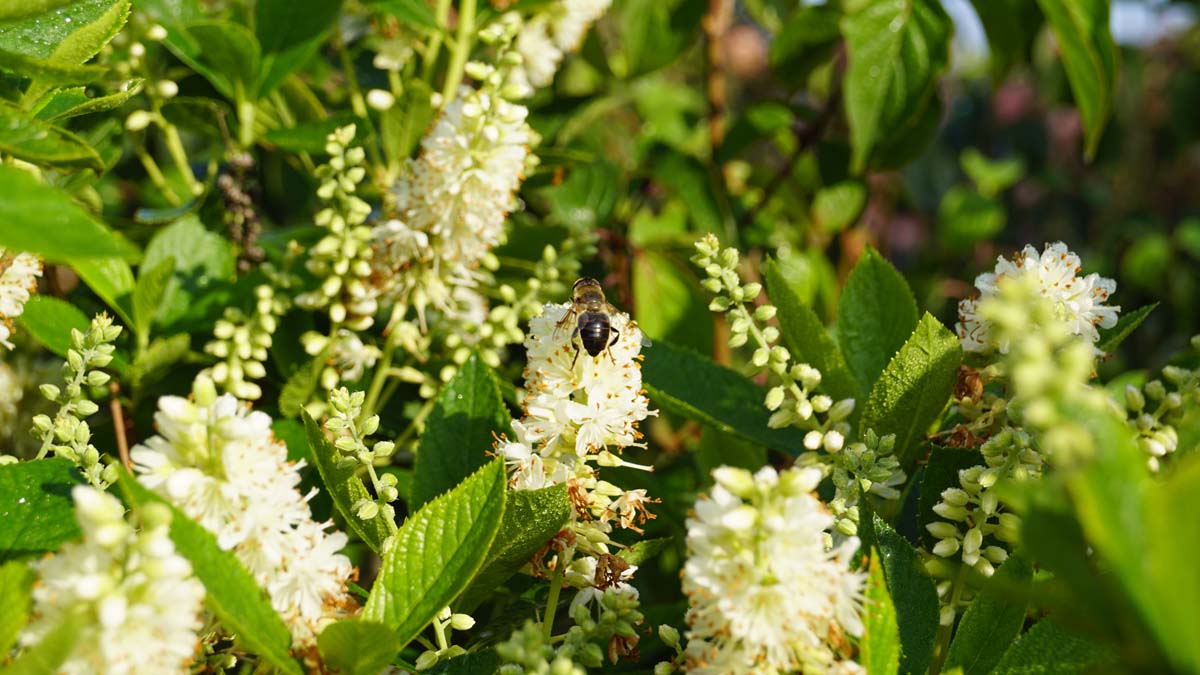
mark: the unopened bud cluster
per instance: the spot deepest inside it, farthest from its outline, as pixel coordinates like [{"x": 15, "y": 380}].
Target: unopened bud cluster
[
  {"x": 976, "y": 524},
  {"x": 354, "y": 449},
  {"x": 68, "y": 434},
  {"x": 866, "y": 467},
  {"x": 444, "y": 624},
  {"x": 1154, "y": 409},
  {"x": 342, "y": 258},
  {"x": 794, "y": 400},
  {"x": 242, "y": 341}
]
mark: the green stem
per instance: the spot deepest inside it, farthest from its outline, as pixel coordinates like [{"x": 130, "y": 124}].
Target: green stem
[
  {"x": 245, "y": 113},
  {"x": 942, "y": 644},
  {"x": 391, "y": 522},
  {"x": 462, "y": 50},
  {"x": 381, "y": 375},
  {"x": 552, "y": 599},
  {"x": 435, "y": 43},
  {"x": 156, "y": 177}
]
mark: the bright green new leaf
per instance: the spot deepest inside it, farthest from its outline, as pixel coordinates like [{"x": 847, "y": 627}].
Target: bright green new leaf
[
  {"x": 41, "y": 143},
  {"x": 875, "y": 315},
  {"x": 39, "y": 33},
  {"x": 437, "y": 552},
  {"x": 460, "y": 432},
  {"x": 344, "y": 487},
  {"x": 688, "y": 384},
  {"x": 911, "y": 394},
  {"x": 148, "y": 294},
  {"x": 806, "y": 337},
  {"x": 838, "y": 206},
  {"x": 19, "y": 9},
  {"x": 230, "y": 591},
  {"x": 51, "y": 72},
  {"x": 991, "y": 176},
  {"x": 45, "y": 657},
  {"x": 1089, "y": 56},
  {"x": 356, "y": 647},
  {"x": 993, "y": 620},
  {"x": 667, "y": 302},
  {"x": 75, "y": 102},
  {"x": 16, "y": 580},
  {"x": 300, "y": 387},
  {"x": 40, "y": 219},
  {"x": 531, "y": 518},
  {"x": 880, "y": 646},
  {"x": 897, "y": 50}
]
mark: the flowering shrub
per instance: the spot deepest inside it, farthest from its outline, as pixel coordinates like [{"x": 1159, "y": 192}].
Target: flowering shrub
[{"x": 554, "y": 337}]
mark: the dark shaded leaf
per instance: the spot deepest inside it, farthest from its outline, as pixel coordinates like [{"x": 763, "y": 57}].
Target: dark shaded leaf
[{"x": 36, "y": 511}]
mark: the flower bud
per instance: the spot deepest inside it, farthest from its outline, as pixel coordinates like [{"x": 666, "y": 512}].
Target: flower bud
[
  {"x": 1134, "y": 398},
  {"x": 765, "y": 312},
  {"x": 461, "y": 622},
  {"x": 774, "y": 398}
]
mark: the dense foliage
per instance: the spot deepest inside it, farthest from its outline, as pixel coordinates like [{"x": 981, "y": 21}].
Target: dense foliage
[{"x": 555, "y": 337}]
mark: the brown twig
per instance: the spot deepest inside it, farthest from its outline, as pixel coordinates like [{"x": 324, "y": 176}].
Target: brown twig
[
  {"x": 118, "y": 416},
  {"x": 716, "y": 27}
]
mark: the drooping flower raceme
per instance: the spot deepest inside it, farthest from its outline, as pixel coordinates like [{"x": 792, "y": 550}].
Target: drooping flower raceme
[
  {"x": 218, "y": 462},
  {"x": 765, "y": 595},
  {"x": 139, "y": 602},
  {"x": 18, "y": 278},
  {"x": 1055, "y": 272},
  {"x": 546, "y": 38}
]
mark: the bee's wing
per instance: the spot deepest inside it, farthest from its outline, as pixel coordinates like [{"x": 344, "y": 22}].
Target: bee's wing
[
  {"x": 646, "y": 341},
  {"x": 565, "y": 321}
]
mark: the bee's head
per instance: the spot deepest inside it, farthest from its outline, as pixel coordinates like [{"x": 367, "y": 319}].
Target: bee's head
[{"x": 585, "y": 287}]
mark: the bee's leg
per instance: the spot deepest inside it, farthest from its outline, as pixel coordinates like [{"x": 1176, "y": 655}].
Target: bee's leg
[
  {"x": 616, "y": 336},
  {"x": 576, "y": 346}
]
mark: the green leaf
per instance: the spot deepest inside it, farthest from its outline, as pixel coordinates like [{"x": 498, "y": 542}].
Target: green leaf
[
  {"x": 16, "y": 581},
  {"x": 148, "y": 295},
  {"x": 82, "y": 44},
  {"x": 290, "y": 32},
  {"x": 40, "y": 36},
  {"x": 805, "y": 336},
  {"x": 402, "y": 125},
  {"x": 49, "y": 71},
  {"x": 805, "y": 41},
  {"x": 224, "y": 53},
  {"x": 19, "y": 9},
  {"x": 473, "y": 663},
  {"x": 300, "y": 387},
  {"x": 42, "y": 143},
  {"x": 467, "y": 418},
  {"x": 230, "y": 591},
  {"x": 1172, "y": 511},
  {"x": 838, "y": 206},
  {"x": 993, "y": 620},
  {"x": 941, "y": 472},
  {"x": 875, "y": 315},
  {"x": 154, "y": 362},
  {"x": 688, "y": 384},
  {"x": 1011, "y": 27},
  {"x": 50, "y": 320},
  {"x": 307, "y": 136},
  {"x": 40, "y": 219},
  {"x": 717, "y": 448},
  {"x": 531, "y": 518},
  {"x": 203, "y": 259},
  {"x": 36, "y": 511},
  {"x": 1111, "y": 338},
  {"x": 415, "y": 13},
  {"x": 436, "y": 553},
  {"x": 913, "y": 596},
  {"x": 667, "y": 302},
  {"x": 344, "y": 487},
  {"x": 991, "y": 176},
  {"x": 112, "y": 280},
  {"x": 75, "y": 102},
  {"x": 1050, "y": 648},
  {"x": 644, "y": 550},
  {"x": 911, "y": 394},
  {"x": 880, "y": 646},
  {"x": 45, "y": 657},
  {"x": 966, "y": 218},
  {"x": 1089, "y": 56},
  {"x": 897, "y": 50},
  {"x": 356, "y": 647}
]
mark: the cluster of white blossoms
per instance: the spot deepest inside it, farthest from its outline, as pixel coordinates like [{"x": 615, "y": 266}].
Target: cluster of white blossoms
[
  {"x": 555, "y": 31},
  {"x": 453, "y": 200},
  {"x": 137, "y": 596},
  {"x": 218, "y": 462},
  {"x": 577, "y": 407},
  {"x": 1080, "y": 300},
  {"x": 765, "y": 594},
  {"x": 19, "y": 273}
]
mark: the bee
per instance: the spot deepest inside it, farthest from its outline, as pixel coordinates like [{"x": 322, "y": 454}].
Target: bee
[{"x": 592, "y": 315}]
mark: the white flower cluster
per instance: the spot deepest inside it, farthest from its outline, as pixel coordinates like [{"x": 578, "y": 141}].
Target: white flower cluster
[
  {"x": 218, "y": 462},
  {"x": 139, "y": 600},
  {"x": 765, "y": 595},
  {"x": 554, "y": 32},
  {"x": 1080, "y": 300},
  {"x": 452, "y": 203},
  {"x": 577, "y": 407},
  {"x": 18, "y": 278}
]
